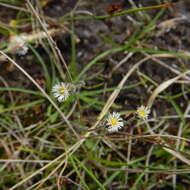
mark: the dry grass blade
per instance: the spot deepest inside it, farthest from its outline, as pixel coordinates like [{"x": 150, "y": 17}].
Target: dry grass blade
[
  {"x": 178, "y": 155},
  {"x": 52, "y": 43},
  {"x": 116, "y": 92},
  {"x": 175, "y": 153},
  {"x": 163, "y": 86},
  {"x": 67, "y": 153}
]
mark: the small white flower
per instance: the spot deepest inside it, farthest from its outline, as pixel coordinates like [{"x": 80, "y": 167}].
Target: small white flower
[
  {"x": 114, "y": 122},
  {"x": 61, "y": 91},
  {"x": 143, "y": 112},
  {"x": 18, "y": 44}
]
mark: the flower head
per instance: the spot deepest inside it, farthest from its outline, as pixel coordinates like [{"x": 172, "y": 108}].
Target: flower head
[
  {"x": 143, "y": 112},
  {"x": 114, "y": 122},
  {"x": 61, "y": 91},
  {"x": 18, "y": 44}
]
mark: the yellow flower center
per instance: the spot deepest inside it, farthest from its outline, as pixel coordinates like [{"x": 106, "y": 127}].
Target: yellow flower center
[
  {"x": 142, "y": 112},
  {"x": 62, "y": 90},
  {"x": 113, "y": 121}
]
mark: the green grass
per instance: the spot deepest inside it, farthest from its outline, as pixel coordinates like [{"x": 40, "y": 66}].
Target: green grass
[{"x": 32, "y": 129}]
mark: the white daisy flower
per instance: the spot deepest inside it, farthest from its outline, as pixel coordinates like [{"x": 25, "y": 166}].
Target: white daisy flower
[
  {"x": 114, "y": 122},
  {"x": 61, "y": 91},
  {"x": 143, "y": 112},
  {"x": 18, "y": 44}
]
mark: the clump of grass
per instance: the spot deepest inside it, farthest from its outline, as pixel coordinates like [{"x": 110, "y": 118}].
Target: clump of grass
[{"x": 50, "y": 144}]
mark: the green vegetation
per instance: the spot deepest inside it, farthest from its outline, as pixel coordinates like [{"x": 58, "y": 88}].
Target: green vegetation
[{"x": 52, "y": 144}]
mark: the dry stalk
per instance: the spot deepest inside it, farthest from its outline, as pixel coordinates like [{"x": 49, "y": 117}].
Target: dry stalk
[{"x": 32, "y": 37}]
